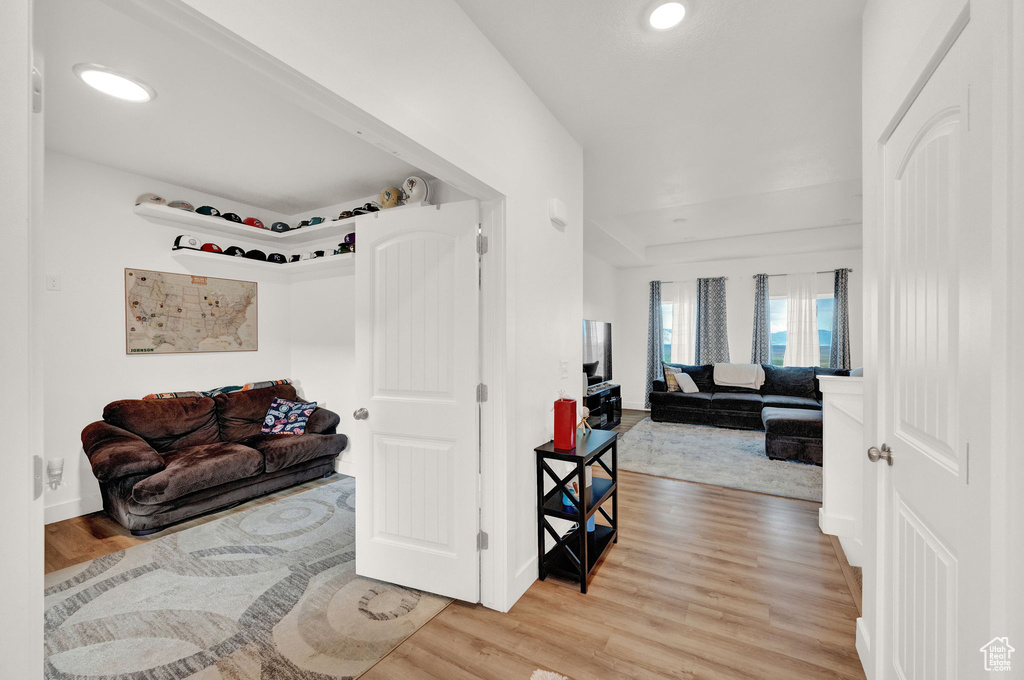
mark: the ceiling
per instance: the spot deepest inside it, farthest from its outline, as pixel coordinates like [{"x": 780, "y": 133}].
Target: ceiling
[
  {"x": 215, "y": 126},
  {"x": 743, "y": 120}
]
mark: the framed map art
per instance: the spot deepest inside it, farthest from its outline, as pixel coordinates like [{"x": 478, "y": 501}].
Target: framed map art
[{"x": 181, "y": 313}]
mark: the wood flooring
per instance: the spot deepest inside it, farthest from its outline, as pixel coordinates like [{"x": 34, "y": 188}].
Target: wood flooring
[{"x": 706, "y": 583}]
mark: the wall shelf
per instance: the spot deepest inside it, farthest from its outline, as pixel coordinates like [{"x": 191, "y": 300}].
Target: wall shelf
[
  {"x": 330, "y": 263},
  {"x": 174, "y": 217}
]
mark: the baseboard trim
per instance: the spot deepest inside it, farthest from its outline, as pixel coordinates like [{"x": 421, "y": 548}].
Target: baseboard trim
[
  {"x": 867, "y": 660},
  {"x": 635, "y": 405},
  {"x": 72, "y": 508}
]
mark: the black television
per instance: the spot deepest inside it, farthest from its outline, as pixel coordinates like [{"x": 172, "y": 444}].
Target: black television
[{"x": 597, "y": 351}]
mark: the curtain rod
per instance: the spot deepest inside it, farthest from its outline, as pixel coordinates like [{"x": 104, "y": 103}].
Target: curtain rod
[
  {"x": 827, "y": 271},
  {"x": 724, "y": 278}
]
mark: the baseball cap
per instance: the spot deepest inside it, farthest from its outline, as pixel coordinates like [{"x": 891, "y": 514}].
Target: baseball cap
[
  {"x": 253, "y": 222},
  {"x": 277, "y": 258},
  {"x": 208, "y": 210},
  {"x": 149, "y": 198},
  {"x": 315, "y": 220},
  {"x": 256, "y": 255},
  {"x": 234, "y": 251},
  {"x": 187, "y": 241},
  {"x": 181, "y": 205},
  {"x": 212, "y": 248},
  {"x": 279, "y": 226},
  {"x": 232, "y": 217}
]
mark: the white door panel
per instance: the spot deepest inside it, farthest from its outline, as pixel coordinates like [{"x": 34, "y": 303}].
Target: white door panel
[
  {"x": 919, "y": 524},
  {"x": 417, "y": 329}
]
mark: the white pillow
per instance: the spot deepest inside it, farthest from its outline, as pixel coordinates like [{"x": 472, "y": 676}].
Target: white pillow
[{"x": 686, "y": 383}]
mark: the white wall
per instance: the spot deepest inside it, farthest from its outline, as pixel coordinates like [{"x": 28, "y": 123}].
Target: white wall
[
  {"x": 448, "y": 88},
  {"x": 630, "y": 334},
  {"x": 88, "y": 235}
]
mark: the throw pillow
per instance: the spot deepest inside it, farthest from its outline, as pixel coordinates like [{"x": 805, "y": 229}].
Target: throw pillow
[
  {"x": 686, "y": 383},
  {"x": 174, "y": 395},
  {"x": 671, "y": 375},
  {"x": 287, "y": 417}
]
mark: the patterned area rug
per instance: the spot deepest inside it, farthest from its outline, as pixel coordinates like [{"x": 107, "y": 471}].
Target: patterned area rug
[
  {"x": 714, "y": 455},
  {"x": 266, "y": 594}
]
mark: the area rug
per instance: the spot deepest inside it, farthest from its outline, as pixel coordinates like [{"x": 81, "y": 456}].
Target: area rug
[
  {"x": 713, "y": 455},
  {"x": 266, "y": 594}
]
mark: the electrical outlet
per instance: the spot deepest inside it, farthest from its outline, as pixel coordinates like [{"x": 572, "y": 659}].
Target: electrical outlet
[
  {"x": 53, "y": 282},
  {"x": 564, "y": 365}
]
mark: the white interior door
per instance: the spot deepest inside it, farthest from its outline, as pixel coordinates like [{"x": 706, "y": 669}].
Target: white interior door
[
  {"x": 417, "y": 450},
  {"x": 924, "y": 381}
]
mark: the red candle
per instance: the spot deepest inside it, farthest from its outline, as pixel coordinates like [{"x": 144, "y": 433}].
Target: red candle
[{"x": 565, "y": 424}]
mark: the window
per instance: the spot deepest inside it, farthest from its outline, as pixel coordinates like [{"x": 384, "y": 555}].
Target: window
[
  {"x": 778, "y": 308},
  {"x": 666, "y": 332}
]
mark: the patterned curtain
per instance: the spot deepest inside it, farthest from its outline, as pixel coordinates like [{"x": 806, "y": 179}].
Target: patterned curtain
[
  {"x": 712, "y": 329},
  {"x": 761, "y": 347},
  {"x": 840, "y": 355},
  {"x": 654, "y": 347}
]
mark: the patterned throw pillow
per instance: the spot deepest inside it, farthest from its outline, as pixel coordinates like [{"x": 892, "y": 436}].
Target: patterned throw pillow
[
  {"x": 287, "y": 417},
  {"x": 246, "y": 387},
  {"x": 671, "y": 384}
]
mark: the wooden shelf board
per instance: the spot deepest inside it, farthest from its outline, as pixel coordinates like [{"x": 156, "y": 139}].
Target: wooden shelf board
[
  {"x": 597, "y": 546},
  {"x": 601, "y": 491},
  {"x": 343, "y": 261}
]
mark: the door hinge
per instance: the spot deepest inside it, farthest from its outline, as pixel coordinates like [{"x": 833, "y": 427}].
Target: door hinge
[
  {"x": 481, "y": 393},
  {"x": 481, "y": 244},
  {"x": 482, "y": 540}
]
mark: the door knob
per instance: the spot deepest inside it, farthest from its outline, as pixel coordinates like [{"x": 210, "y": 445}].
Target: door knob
[
  {"x": 885, "y": 453},
  {"x": 363, "y": 414}
]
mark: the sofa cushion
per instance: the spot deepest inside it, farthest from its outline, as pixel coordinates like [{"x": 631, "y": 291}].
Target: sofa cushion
[
  {"x": 704, "y": 376},
  {"x": 283, "y": 452},
  {"x": 735, "y": 401},
  {"x": 789, "y": 381},
  {"x": 194, "y": 468},
  {"x": 844, "y": 372},
  {"x": 781, "y": 401},
  {"x": 241, "y": 414},
  {"x": 167, "y": 424},
  {"x": 697, "y": 400},
  {"x": 792, "y": 422}
]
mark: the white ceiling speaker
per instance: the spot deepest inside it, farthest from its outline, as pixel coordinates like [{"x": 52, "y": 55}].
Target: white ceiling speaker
[
  {"x": 558, "y": 213},
  {"x": 666, "y": 15},
  {"x": 115, "y": 84}
]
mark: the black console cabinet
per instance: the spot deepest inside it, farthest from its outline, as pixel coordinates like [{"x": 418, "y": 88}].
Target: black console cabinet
[{"x": 605, "y": 406}]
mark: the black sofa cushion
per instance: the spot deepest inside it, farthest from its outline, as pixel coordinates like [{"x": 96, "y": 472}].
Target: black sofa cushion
[
  {"x": 732, "y": 401},
  {"x": 792, "y": 422},
  {"x": 697, "y": 400},
  {"x": 791, "y": 381},
  {"x": 781, "y": 401},
  {"x": 703, "y": 376}
]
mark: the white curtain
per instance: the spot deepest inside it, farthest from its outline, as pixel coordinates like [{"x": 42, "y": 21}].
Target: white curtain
[
  {"x": 802, "y": 322},
  {"x": 683, "y": 297}
]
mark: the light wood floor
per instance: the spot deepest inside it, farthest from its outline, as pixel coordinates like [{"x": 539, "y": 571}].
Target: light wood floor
[{"x": 705, "y": 583}]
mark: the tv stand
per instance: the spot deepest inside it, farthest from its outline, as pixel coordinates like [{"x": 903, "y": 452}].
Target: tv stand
[{"x": 605, "y": 406}]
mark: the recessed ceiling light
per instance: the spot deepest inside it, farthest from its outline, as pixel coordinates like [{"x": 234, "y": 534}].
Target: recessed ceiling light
[
  {"x": 110, "y": 82},
  {"x": 666, "y": 15}
]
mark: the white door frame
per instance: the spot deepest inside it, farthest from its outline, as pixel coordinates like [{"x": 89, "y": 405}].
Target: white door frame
[
  {"x": 21, "y": 504},
  {"x": 1003, "y": 28},
  {"x": 173, "y": 16}
]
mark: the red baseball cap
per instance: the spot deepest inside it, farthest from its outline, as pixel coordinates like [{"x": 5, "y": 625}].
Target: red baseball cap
[
  {"x": 253, "y": 222},
  {"x": 212, "y": 248}
]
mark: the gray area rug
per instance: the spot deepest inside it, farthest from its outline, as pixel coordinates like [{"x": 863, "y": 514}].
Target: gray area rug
[
  {"x": 713, "y": 455},
  {"x": 266, "y": 594}
]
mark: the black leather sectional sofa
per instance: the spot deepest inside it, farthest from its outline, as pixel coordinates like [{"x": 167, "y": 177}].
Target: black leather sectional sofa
[{"x": 776, "y": 407}]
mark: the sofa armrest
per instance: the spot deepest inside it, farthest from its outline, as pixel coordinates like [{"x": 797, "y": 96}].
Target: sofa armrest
[
  {"x": 658, "y": 386},
  {"x": 323, "y": 421},
  {"x": 115, "y": 453}
]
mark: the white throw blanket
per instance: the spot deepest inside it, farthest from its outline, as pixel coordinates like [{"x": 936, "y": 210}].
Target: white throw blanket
[{"x": 739, "y": 375}]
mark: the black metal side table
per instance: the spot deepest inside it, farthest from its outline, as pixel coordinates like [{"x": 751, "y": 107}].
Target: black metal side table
[{"x": 575, "y": 554}]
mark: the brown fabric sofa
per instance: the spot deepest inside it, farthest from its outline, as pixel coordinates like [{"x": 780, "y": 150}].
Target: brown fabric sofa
[{"x": 162, "y": 461}]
